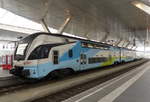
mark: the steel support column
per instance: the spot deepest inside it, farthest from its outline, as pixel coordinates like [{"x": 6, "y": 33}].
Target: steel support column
[
  {"x": 118, "y": 42},
  {"x": 64, "y": 25},
  {"x": 44, "y": 25},
  {"x": 128, "y": 44}
]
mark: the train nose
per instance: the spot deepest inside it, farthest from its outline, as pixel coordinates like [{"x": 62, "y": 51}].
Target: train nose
[
  {"x": 19, "y": 71},
  {"x": 12, "y": 71},
  {"x": 26, "y": 73}
]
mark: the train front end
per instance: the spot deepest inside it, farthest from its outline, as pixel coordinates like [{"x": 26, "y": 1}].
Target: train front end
[{"x": 20, "y": 63}]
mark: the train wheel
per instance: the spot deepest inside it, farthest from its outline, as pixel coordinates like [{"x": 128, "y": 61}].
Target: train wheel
[
  {"x": 55, "y": 74},
  {"x": 123, "y": 61},
  {"x": 61, "y": 73},
  {"x": 116, "y": 63},
  {"x": 67, "y": 71}
]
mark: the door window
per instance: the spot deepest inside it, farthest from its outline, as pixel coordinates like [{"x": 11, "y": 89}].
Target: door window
[
  {"x": 70, "y": 53},
  {"x": 55, "y": 57},
  {"x": 83, "y": 59}
]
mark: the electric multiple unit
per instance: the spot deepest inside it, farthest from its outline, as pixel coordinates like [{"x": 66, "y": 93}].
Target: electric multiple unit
[{"x": 44, "y": 54}]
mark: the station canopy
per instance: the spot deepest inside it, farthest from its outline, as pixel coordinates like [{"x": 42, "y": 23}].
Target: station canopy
[
  {"x": 11, "y": 19},
  {"x": 119, "y": 22}
]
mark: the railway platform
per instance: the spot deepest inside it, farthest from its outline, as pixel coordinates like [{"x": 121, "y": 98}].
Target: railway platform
[
  {"x": 7, "y": 79},
  {"x": 4, "y": 73},
  {"x": 133, "y": 86},
  {"x": 53, "y": 87}
]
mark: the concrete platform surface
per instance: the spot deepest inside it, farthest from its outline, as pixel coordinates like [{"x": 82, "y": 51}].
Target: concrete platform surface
[
  {"x": 4, "y": 73},
  {"x": 133, "y": 86},
  {"x": 30, "y": 94},
  {"x": 7, "y": 79},
  {"x": 139, "y": 91}
]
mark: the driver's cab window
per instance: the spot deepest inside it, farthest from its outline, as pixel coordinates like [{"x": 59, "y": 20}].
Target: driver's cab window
[{"x": 40, "y": 52}]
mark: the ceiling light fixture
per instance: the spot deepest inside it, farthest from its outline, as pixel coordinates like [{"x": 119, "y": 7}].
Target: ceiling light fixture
[{"x": 142, "y": 6}]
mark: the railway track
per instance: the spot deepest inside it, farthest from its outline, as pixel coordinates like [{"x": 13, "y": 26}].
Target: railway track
[
  {"x": 5, "y": 90},
  {"x": 22, "y": 84},
  {"x": 86, "y": 76},
  {"x": 10, "y": 84}
]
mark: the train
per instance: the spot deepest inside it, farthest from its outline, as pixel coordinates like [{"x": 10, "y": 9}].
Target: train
[{"x": 41, "y": 55}]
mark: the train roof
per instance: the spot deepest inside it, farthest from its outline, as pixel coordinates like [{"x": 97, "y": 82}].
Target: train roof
[
  {"x": 66, "y": 36},
  {"x": 76, "y": 38}
]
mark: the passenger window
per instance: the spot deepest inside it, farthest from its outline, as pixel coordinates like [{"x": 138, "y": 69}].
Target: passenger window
[
  {"x": 97, "y": 46},
  {"x": 55, "y": 57},
  {"x": 97, "y": 60},
  {"x": 90, "y": 45},
  {"x": 70, "y": 53},
  {"x": 84, "y": 45}
]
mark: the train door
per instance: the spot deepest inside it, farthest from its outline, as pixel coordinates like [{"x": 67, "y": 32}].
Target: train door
[
  {"x": 83, "y": 61},
  {"x": 55, "y": 57},
  {"x": 109, "y": 55},
  {"x": 42, "y": 59},
  {"x": 120, "y": 54}
]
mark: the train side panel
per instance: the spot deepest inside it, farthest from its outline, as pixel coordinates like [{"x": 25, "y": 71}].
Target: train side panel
[{"x": 80, "y": 58}]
